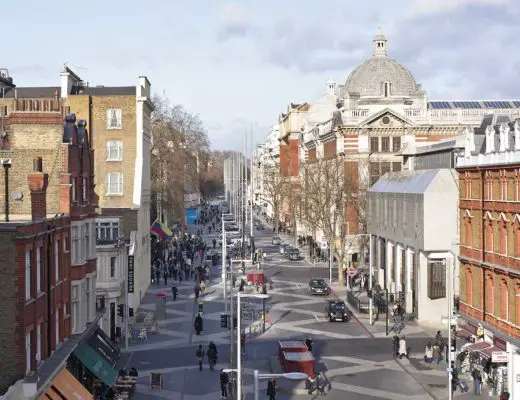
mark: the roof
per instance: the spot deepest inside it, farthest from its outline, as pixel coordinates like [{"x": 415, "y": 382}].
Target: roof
[
  {"x": 405, "y": 181},
  {"x": 105, "y": 90},
  {"x": 472, "y": 105},
  {"x": 51, "y": 91},
  {"x": 33, "y": 92},
  {"x": 442, "y": 146}
]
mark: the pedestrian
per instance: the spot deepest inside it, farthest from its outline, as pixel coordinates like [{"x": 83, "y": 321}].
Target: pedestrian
[
  {"x": 428, "y": 353},
  {"x": 271, "y": 389},
  {"x": 477, "y": 382},
  {"x": 437, "y": 356},
  {"x": 308, "y": 343},
  {"x": 174, "y": 292},
  {"x": 224, "y": 380},
  {"x": 200, "y": 356},
  {"x": 214, "y": 243},
  {"x": 504, "y": 396},
  {"x": 212, "y": 355},
  {"x": 403, "y": 351},
  {"x": 197, "y": 324},
  {"x": 165, "y": 276}
]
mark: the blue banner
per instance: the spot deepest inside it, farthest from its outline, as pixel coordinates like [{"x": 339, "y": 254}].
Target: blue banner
[{"x": 192, "y": 215}]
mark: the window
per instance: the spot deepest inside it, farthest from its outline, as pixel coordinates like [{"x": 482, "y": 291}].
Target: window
[
  {"x": 83, "y": 242},
  {"x": 28, "y": 355},
  {"x": 107, "y": 230},
  {"x": 57, "y": 260},
  {"x": 436, "y": 279},
  {"x": 490, "y": 296},
  {"x": 38, "y": 343},
  {"x": 114, "y": 183},
  {"x": 76, "y": 245},
  {"x": 504, "y": 301},
  {"x": 75, "y": 308},
  {"x": 374, "y": 144},
  {"x": 27, "y": 275},
  {"x": 114, "y": 150},
  {"x": 114, "y": 118},
  {"x": 88, "y": 238},
  {"x": 73, "y": 189},
  {"x": 88, "y": 296},
  {"x": 387, "y": 88},
  {"x": 84, "y": 189},
  {"x": 385, "y": 144},
  {"x": 396, "y": 144},
  {"x": 396, "y": 166},
  {"x": 57, "y": 332},
  {"x": 38, "y": 271},
  {"x": 113, "y": 266}
]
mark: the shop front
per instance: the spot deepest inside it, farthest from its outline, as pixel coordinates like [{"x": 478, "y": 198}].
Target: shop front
[
  {"x": 489, "y": 356},
  {"x": 66, "y": 386}
]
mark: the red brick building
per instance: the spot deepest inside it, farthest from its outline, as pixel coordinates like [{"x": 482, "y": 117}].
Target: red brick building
[
  {"x": 489, "y": 207},
  {"x": 47, "y": 237}
]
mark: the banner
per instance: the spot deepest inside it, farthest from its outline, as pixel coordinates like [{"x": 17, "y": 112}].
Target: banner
[{"x": 131, "y": 271}]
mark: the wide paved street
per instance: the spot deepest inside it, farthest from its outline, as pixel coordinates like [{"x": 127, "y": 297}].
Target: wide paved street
[{"x": 355, "y": 358}]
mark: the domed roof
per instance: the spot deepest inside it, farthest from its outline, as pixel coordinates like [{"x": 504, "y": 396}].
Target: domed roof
[{"x": 369, "y": 78}]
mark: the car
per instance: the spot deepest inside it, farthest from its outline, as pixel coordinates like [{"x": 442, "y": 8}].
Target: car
[
  {"x": 283, "y": 247},
  {"x": 294, "y": 254},
  {"x": 336, "y": 310},
  {"x": 260, "y": 227},
  {"x": 276, "y": 240},
  {"x": 318, "y": 286}
]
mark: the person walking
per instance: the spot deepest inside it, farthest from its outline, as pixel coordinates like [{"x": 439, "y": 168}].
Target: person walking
[
  {"x": 428, "y": 353},
  {"x": 174, "y": 292},
  {"x": 437, "y": 356},
  {"x": 308, "y": 343},
  {"x": 224, "y": 380},
  {"x": 212, "y": 355},
  {"x": 214, "y": 242},
  {"x": 165, "y": 276},
  {"x": 271, "y": 389},
  {"x": 197, "y": 324},
  {"x": 403, "y": 351},
  {"x": 200, "y": 356},
  {"x": 477, "y": 382}
]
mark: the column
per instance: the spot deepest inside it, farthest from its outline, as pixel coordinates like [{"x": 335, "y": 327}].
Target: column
[
  {"x": 388, "y": 269},
  {"x": 408, "y": 286}
]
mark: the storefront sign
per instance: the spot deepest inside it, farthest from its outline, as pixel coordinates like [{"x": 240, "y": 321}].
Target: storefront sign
[
  {"x": 130, "y": 274},
  {"x": 500, "y": 343},
  {"x": 499, "y": 357}
]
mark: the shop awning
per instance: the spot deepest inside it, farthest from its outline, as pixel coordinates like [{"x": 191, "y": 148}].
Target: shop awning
[
  {"x": 479, "y": 346},
  {"x": 463, "y": 334},
  {"x": 99, "y": 356},
  {"x": 488, "y": 351},
  {"x": 65, "y": 386}
]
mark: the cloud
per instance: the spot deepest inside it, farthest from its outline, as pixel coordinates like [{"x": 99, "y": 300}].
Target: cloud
[
  {"x": 233, "y": 22},
  {"x": 429, "y": 7}
]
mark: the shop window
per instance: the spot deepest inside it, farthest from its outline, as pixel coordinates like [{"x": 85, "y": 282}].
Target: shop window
[{"x": 436, "y": 279}]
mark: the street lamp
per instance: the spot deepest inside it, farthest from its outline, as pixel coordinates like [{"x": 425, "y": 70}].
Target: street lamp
[
  {"x": 239, "y": 341},
  {"x": 292, "y": 376}
]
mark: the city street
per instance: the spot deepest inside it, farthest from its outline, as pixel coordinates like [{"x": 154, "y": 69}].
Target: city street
[{"x": 355, "y": 358}]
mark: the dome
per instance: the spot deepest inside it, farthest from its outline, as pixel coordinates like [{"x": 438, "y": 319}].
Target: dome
[{"x": 380, "y": 75}]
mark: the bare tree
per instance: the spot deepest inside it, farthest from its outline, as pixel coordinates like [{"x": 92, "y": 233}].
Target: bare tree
[
  {"x": 330, "y": 202},
  {"x": 273, "y": 189}
]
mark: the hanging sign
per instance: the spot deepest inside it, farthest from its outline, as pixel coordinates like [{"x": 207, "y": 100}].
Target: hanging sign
[{"x": 131, "y": 272}]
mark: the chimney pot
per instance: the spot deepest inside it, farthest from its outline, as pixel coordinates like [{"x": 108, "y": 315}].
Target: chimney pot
[{"x": 37, "y": 164}]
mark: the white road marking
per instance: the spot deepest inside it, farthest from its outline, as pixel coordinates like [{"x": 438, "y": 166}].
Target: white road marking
[
  {"x": 297, "y": 285},
  {"x": 315, "y": 316}
]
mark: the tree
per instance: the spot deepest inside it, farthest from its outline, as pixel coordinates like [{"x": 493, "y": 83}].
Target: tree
[
  {"x": 330, "y": 201},
  {"x": 273, "y": 187}
]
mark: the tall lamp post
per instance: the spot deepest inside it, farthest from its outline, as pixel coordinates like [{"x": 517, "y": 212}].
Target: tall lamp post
[{"x": 241, "y": 295}]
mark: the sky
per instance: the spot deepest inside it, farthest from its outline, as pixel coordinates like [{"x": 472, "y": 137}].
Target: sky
[{"x": 238, "y": 64}]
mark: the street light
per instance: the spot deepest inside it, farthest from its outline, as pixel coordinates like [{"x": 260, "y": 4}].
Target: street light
[
  {"x": 292, "y": 376},
  {"x": 239, "y": 341}
]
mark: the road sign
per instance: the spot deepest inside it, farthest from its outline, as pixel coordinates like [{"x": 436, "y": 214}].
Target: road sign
[{"x": 352, "y": 272}]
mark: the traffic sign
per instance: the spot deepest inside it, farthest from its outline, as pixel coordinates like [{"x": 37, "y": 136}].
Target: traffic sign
[{"x": 352, "y": 272}]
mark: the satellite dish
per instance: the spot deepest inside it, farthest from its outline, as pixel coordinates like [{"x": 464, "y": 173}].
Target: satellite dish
[{"x": 17, "y": 195}]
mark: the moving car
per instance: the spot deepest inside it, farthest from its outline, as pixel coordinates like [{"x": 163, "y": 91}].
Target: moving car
[
  {"x": 318, "y": 286},
  {"x": 260, "y": 227},
  {"x": 283, "y": 248},
  {"x": 276, "y": 240},
  {"x": 294, "y": 254},
  {"x": 336, "y": 310}
]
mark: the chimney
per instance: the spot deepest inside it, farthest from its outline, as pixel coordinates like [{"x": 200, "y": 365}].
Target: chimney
[{"x": 38, "y": 182}]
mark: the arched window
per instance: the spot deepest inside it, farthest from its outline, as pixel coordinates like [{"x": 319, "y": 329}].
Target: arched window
[
  {"x": 469, "y": 286},
  {"x": 489, "y": 235},
  {"x": 517, "y": 305},
  {"x": 490, "y": 295},
  {"x": 504, "y": 300},
  {"x": 387, "y": 89}
]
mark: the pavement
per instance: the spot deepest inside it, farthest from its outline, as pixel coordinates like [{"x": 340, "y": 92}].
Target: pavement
[{"x": 354, "y": 356}]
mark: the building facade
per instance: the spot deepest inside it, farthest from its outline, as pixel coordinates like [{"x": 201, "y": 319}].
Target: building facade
[
  {"x": 489, "y": 216},
  {"x": 119, "y": 119},
  {"x": 368, "y": 120},
  {"x": 407, "y": 211}
]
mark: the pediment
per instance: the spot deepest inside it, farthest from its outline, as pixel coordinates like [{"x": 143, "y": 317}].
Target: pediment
[{"x": 387, "y": 119}]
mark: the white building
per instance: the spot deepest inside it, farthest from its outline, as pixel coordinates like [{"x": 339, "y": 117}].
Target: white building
[{"x": 112, "y": 262}]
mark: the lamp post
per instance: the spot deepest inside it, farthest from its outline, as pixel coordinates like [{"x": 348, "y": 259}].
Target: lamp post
[{"x": 239, "y": 341}]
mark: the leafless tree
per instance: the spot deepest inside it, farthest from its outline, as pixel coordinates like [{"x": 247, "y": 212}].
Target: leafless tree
[{"x": 330, "y": 201}]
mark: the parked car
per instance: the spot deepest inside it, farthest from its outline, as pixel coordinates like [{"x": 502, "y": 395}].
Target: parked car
[
  {"x": 260, "y": 227},
  {"x": 276, "y": 240},
  {"x": 294, "y": 254},
  {"x": 318, "y": 286},
  {"x": 336, "y": 310}
]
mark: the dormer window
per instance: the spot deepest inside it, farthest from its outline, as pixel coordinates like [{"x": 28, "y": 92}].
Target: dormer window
[{"x": 387, "y": 89}]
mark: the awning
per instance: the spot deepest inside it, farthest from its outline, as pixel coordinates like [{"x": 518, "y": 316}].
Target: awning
[
  {"x": 65, "y": 386},
  {"x": 479, "y": 346},
  {"x": 99, "y": 356},
  {"x": 488, "y": 351},
  {"x": 463, "y": 334}
]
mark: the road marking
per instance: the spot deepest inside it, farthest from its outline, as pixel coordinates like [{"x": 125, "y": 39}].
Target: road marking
[
  {"x": 315, "y": 316},
  {"x": 297, "y": 285}
]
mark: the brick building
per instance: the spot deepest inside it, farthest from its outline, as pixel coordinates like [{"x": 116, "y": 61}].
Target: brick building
[{"x": 489, "y": 213}]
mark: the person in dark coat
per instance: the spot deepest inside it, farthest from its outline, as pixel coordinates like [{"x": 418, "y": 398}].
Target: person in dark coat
[
  {"x": 174, "y": 292},
  {"x": 224, "y": 380},
  {"x": 271, "y": 389},
  {"x": 197, "y": 324}
]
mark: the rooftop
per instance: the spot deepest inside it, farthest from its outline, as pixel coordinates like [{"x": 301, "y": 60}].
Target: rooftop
[{"x": 405, "y": 182}]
